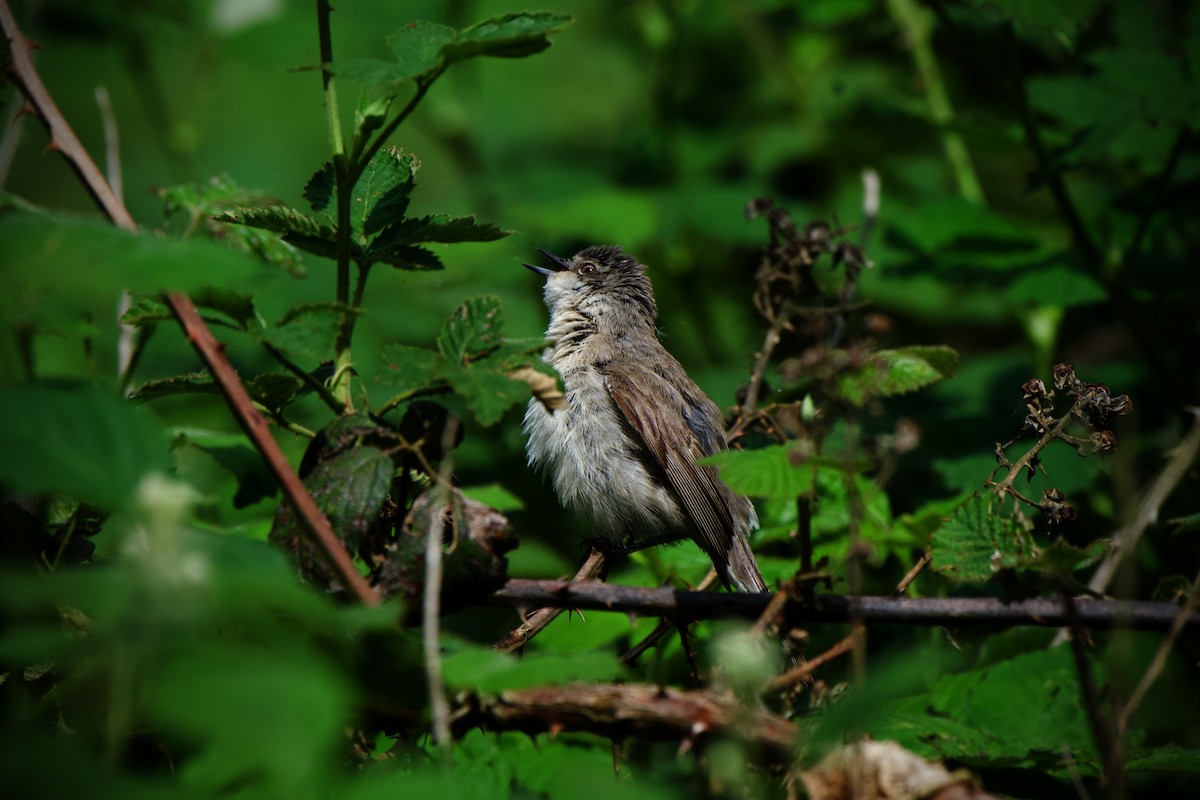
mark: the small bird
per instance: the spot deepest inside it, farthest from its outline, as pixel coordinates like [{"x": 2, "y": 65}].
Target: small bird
[{"x": 623, "y": 451}]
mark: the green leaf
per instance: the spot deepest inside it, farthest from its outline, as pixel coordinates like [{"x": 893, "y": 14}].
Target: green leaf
[
  {"x": 308, "y": 331},
  {"x": 488, "y": 671},
  {"x": 488, "y": 394},
  {"x": 474, "y": 329},
  {"x": 274, "y": 390},
  {"x": 1185, "y": 524},
  {"x": 892, "y": 372},
  {"x": 350, "y": 489},
  {"x": 84, "y": 442},
  {"x": 781, "y": 471},
  {"x": 981, "y": 538},
  {"x": 437, "y": 228},
  {"x": 254, "y": 479},
  {"x": 56, "y": 269},
  {"x": 381, "y": 194},
  {"x": 256, "y": 725},
  {"x": 493, "y": 495},
  {"x": 191, "y": 383},
  {"x": 320, "y": 187},
  {"x": 298, "y": 229},
  {"x": 409, "y": 368},
  {"x": 510, "y": 35},
  {"x": 408, "y": 257},
  {"x": 418, "y": 48}
]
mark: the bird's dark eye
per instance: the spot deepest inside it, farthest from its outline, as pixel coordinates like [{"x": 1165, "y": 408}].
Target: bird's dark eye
[{"x": 587, "y": 269}]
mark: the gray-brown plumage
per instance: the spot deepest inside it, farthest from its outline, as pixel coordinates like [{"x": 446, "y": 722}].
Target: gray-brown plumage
[{"x": 623, "y": 452}]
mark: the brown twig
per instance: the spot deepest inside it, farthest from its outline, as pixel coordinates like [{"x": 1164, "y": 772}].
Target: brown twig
[
  {"x": 927, "y": 611},
  {"x": 1160, "y": 659},
  {"x": 63, "y": 139},
  {"x": 1125, "y": 540},
  {"x": 618, "y": 711},
  {"x": 802, "y": 671},
  {"x": 535, "y": 623},
  {"x": 1107, "y": 745},
  {"x": 664, "y": 626},
  {"x": 907, "y": 580}
]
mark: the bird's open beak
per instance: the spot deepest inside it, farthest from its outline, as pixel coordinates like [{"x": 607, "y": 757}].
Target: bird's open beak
[{"x": 546, "y": 272}]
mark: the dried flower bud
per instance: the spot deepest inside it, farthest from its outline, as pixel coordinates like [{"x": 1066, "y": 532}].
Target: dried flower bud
[
  {"x": 1103, "y": 441},
  {"x": 1064, "y": 376},
  {"x": 1033, "y": 389},
  {"x": 1056, "y": 508}
]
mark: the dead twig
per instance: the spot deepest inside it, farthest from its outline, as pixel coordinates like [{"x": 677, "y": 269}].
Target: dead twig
[
  {"x": 961, "y": 612},
  {"x": 593, "y": 567},
  {"x": 802, "y": 671}
]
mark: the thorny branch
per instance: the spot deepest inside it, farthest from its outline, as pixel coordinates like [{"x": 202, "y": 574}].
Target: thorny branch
[
  {"x": 618, "y": 711},
  {"x": 945, "y": 611}
]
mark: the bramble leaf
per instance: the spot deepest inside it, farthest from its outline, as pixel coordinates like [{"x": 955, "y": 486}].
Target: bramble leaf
[
  {"x": 892, "y": 372},
  {"x": 474, "y": 329},
  {"x": 981, "y": 539}
]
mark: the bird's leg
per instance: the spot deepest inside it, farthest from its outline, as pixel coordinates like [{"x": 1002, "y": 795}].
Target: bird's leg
[{"x": 631, "y": 546}]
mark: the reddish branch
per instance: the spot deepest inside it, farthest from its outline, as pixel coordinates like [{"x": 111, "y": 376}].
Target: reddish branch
[
  {"x": 945, "y": 611},
  {"x": 619, "y": 711},
  {"x": 63, "y": 139}
]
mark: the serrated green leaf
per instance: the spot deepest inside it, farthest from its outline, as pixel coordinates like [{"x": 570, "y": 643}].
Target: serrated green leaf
[
  {"x": 475, "y": 328},
  {"x": 319, "y": 189},
  {"x": 488, "y": 394},
  {"x": 296, "y": 228},
  {"x": 191, "y": 383},
  {"x": 308, "y": 331},
  {"x": 146, "y": 309},
  {"x": 408, "y": 368},
  {"x": 512, "y": 35},
  {"x": 84, "y": 442},
  {"x": 418, "y": 47},
  {"x": 408, "y": 257},
  {"x": 779, "y": 471},
  {"x": 382, "y": 192},
  {"x": 892, "y": 372},
  {"x": 981, "y": 538},
  {"x": 438, "y": 228}
]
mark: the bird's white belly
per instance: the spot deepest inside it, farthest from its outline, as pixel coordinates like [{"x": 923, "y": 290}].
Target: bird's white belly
[{"x": 596, "y": 469}]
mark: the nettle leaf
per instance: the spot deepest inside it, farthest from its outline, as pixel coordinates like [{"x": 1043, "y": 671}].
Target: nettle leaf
[
  {"x": 981, "y": 538},
  {"x": 146, "y": 309},
  {"x": 512, "y": 35},
  {"x": 298, "y": 229},
  {"x": 892, "y": 372},
  {"x": 487, "y": 393},
  {"x": 437, "y": 228},
  {"x": 410, "y": 368},
  {"x": 319, "y": 189},
  {"x": 407, "y": 257},
  {"x": 418, "y": 47},
  {"x": 191, "y": 383},
  {"x": 308, "y": 331},
  {"x": 381, "y": 194},
  {"x": 474, "y": 329},
  {"x": 781, "y": 471}
]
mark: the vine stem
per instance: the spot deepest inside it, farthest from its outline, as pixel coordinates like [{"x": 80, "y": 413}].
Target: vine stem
[
  {"x": 1053, "y": 432},
  {"x": 63, "y": 139}
]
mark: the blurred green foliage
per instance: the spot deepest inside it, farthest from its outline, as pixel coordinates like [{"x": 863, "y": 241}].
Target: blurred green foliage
[{"x": 1038, "y": 171}]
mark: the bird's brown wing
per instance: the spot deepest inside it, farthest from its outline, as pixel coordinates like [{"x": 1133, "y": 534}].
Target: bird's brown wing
[{"x": 675, "y": 446}]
